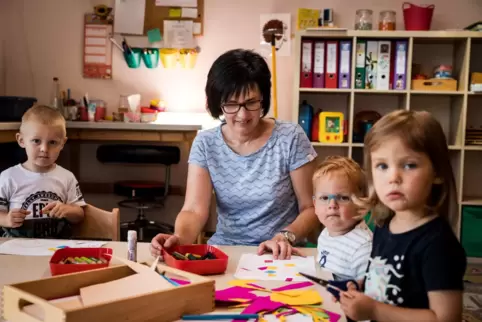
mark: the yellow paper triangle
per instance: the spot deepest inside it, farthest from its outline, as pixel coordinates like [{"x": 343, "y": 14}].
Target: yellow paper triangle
[{"x": 297, "y": 297}]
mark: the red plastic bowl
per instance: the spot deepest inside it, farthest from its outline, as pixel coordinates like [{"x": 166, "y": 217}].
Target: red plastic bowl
[
  {"x": 200, "y": 267},
  {"x": 60, "y": 254}
]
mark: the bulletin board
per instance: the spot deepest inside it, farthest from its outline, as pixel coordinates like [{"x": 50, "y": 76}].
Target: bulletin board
[{"x": 155, "y": 16}]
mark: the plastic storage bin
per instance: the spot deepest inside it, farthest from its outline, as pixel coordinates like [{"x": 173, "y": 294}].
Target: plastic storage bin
[
  {"x": 200, "y": 267},
  {"x": 471, "y": 236}
]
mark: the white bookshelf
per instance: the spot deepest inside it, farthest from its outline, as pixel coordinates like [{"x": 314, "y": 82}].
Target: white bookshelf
[{"x": 455, "y": 110}]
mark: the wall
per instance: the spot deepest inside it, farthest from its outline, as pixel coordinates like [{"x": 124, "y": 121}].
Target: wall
[{"x": 44, "y": 39}]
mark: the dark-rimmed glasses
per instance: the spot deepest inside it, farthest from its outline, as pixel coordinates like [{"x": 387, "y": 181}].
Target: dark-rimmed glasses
[{"x": 233, "y": 108}]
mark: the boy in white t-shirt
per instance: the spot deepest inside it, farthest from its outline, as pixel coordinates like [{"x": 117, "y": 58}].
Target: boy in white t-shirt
[
  {"x": 39, "y": 198},
  {"x": 345, "y": 244}
]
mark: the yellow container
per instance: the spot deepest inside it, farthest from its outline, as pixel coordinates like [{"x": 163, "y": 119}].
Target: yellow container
[
  {"x": 169, "y": 57},
  {"x": 331, "y": 127},
  {"x": 188, "y": 58}
]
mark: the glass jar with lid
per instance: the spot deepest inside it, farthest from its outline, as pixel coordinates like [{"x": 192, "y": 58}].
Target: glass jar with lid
[
  {"x": 387, "y": 20},
  {"x": 364, "y": 19}
]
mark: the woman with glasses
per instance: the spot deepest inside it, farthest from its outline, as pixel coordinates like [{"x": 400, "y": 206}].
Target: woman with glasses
[{"x": 260, "y": 168}]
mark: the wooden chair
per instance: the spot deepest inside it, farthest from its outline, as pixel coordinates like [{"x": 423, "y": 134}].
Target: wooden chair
[{"x": 98, "y": 224}]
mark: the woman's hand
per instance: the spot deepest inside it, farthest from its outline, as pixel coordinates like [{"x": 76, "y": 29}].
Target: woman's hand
[
  {"x": 162, "y": 240},
  {"x": 280, "y": 247}
]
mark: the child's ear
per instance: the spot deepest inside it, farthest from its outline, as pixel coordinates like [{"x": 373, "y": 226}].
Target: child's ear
[
  {"x": 64, "y": 141},
  {"x": 20, "y": 141}
]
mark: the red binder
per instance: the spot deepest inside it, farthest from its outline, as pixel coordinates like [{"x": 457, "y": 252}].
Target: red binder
[
  {"x": 331, "y": 64},
  {"x": 306, "y": 70}
]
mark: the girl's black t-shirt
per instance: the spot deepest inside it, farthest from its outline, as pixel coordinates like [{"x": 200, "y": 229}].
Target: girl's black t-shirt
[{"x": 404, "y": 267}]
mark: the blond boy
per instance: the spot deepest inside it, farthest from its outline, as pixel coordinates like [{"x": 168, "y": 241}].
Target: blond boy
[
  {"x": 39, "y": 198},
  {"x": 345, "y": 243}
]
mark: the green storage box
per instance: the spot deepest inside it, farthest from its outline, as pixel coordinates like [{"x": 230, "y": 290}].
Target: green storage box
[{"x": 471, "y": 230}]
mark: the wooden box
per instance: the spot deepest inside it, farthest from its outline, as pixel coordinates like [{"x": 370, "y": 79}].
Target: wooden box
[
  {"x": 32, "y": 301},
  {"x": 434, "y": 84}
]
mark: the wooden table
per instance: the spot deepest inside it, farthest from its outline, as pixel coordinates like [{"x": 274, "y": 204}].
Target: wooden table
[
  {"x": 170, "y": 127},
  {"x": 15, "y": 269}
]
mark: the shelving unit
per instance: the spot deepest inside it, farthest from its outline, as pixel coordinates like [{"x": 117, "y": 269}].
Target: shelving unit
[{"x": 455, "y": 110}]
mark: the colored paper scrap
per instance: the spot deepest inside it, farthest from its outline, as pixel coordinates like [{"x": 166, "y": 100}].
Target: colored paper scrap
[
  {"x": 297, "y": 297},
  {"x": 236, "y": 292},
  {"x": 154, "y": 35},
  {"x": 293, "y": 286},
  {"x": 175, "y": 12}
]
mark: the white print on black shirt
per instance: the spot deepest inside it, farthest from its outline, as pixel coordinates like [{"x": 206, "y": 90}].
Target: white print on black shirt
[
  {"x": 39, "y": 200},
  {"x": 377, "y": 284}
]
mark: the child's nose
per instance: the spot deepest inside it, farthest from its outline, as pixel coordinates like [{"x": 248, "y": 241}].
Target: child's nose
[
  {"x": 43, "y": 147},
  {"x": 394, "y": 176},
  {"x": 332, "y": 204}
]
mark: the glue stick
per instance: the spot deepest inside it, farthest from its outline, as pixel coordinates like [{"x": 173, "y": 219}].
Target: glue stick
[{"x": 132, "y": 245}]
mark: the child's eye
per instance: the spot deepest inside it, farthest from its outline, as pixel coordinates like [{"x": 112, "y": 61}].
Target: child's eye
[
  {"x": 36, "y": 141},
  {"x": 344, "y": 198},
  {"x": 323, "y": 198},
  {"x": 410, "y": 166},
  {"x": 53, "y": 142},
  {"x": 381, "y": 166}
]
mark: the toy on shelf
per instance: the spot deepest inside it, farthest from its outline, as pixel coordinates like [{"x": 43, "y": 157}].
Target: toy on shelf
[
  {"x": 441, "y": 80},
  {"x": 362, "y": 123},
  {"x": 331, "y": 127},
  {"x": 305, "y": 117}
]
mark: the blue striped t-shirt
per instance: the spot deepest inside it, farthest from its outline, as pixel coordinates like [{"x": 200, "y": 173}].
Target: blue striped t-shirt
[{"x": 254, "y": 195}]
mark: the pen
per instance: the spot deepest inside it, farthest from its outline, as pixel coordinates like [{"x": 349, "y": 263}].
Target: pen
[{"x": 212, "y": 317}]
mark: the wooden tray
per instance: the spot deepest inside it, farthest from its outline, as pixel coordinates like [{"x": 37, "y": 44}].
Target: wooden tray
[
  {"x": 26, "y": 301},
  {"x": 434, "y": 84}
]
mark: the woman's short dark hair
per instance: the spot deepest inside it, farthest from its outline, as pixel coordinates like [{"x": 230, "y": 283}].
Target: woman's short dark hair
[{"x": 236, "y": 72}]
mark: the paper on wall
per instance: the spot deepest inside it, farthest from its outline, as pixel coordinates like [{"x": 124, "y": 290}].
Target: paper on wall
[
  {"x": 189, "y": 13},
  {"x": 176, "y": 3},
  {"x": 178, "y": 34},
  {"x": 129, "y": 16},
  {"x": 43, "y": 247}
]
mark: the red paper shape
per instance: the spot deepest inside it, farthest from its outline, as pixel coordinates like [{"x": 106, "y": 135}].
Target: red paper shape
[
  {"x": 235, "y": 292},
  {"x": 293, "y": 286},
  {"x": 268, "y": 260},
  {"x": 262, "y": 303},
  {"x": 180, "y": 282},
  {"x": 263, "y": 268},
  {"x": 289, "y": 279},
  {"x": 334, "y": 317}
]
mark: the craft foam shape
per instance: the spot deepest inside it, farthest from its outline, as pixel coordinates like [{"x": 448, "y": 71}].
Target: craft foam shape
[
  {"x": 262, "y": 303},
  {"x": 293, "y": 286},
  {"x": 180, "y": 282},
  {"x": 235, "y": 292},
  {"x": 241, "y": 283},
  {"x": 299, "y": 297},
  {"x": 260, "y": 268}
]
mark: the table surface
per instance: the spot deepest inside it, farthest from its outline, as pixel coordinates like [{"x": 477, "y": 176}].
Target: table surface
[
  {"x": 15, "y": 269},
  {"x": 166, "y": 121}
]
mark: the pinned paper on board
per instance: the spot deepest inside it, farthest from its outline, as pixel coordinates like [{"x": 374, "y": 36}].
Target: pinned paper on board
[{"x": 264, "y": 267}]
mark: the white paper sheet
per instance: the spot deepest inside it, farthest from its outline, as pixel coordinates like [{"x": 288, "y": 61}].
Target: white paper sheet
[
  {"x": 129, "y": 16},
  {"x": 176, "y": 3},
  {"x": 178, "y": 34},
  {"x": 43, "y": 247},
  {"x": 268, "y": 318},
  {"x": 189, "y": 13},
  {"x": 265, "y": 268}
]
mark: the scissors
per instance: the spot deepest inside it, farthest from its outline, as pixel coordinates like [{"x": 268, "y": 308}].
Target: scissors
[{"x": 334, "y": 287}]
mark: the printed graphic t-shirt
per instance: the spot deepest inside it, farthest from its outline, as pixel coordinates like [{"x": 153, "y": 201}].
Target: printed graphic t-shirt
[
  {"x": 255, "y": 198},
  {"x": 346, "y": 256},
  {"x": 404, "y": 267},
  {"x": 24, "y": 189}
]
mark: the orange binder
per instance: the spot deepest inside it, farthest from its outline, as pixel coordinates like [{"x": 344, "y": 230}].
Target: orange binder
[
  {"x": 306, "y": 70},
  {"x": 331, "y": 65}
]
